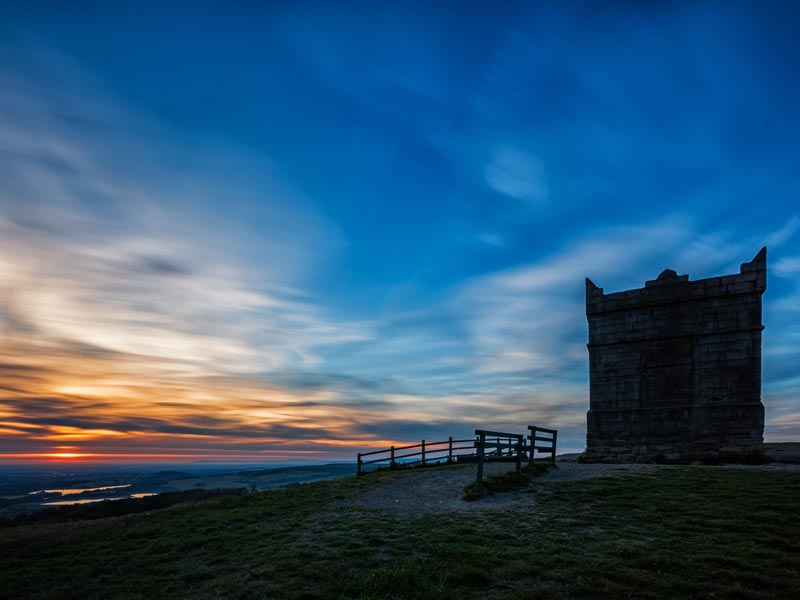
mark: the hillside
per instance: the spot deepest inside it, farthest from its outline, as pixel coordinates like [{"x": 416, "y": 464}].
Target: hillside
[{"x": 652, "y": 532}]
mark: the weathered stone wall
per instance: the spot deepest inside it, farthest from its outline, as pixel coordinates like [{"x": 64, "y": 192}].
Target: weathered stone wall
[{"x": 675, "y": 368}]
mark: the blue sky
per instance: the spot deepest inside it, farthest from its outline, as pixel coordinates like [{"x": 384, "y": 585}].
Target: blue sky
[{"x": 333, "y": 225}]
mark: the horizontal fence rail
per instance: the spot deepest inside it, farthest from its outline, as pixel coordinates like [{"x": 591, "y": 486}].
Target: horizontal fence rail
[
  {"x": 428, "y": 453},
  {"x": 513, "y": 442},
  {"x": 542, "y": 440}
]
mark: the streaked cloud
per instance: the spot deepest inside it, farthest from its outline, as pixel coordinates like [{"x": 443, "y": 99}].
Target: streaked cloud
[
  {"x": 518, "y": 174},
  {"x": 788, "y": 266},
  {"x": 391, "y": 243},
  {"x": 492, "y": 239},
  {"x": 785, "y": 233}
]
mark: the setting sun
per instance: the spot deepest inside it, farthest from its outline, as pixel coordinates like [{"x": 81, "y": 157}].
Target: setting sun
[{"x": 67, "y": 455}]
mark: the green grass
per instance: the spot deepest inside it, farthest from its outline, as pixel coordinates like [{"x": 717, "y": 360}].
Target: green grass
[
  {"x": 677, "y": 533},
  {"x": 504, "y": 482}
]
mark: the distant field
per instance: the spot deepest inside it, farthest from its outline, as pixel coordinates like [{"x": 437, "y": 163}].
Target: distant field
[
  {"x": 675, "y": 533},
  {"x": 262, "y": 480},
  {"x": 26, "y": 493}
]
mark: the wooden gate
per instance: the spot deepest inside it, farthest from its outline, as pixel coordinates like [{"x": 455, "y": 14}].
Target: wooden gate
[{"x": 541, "y": 440}]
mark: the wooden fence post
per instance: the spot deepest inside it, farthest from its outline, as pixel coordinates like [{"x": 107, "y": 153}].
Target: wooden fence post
[
  {"x": 358, "y": 467},
  {"x": 450, "y": 450},
  {"x": 423, "y": 453},
  {"x": 480, "y": 457},
  {"x": 531, "y": 444},
  {"x": 555, "y": 436},
  {"x": 391, "y": 463},
  {"x": 520, "y": 445}
]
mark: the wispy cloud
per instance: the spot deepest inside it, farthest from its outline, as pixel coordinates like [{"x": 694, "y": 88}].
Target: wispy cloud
[
  {"x": 518, "y": 174},
  {"x": 785, "y": 233},
  {"x": 391, "y": 244},
  {"x": 137, "y": 313},
  {"x": 530, "y": 319}
]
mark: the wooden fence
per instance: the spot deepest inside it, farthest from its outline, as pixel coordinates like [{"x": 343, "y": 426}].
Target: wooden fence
[
  {"x": 514, "y": 443},
  {"x": 429, "y": 453},
  {"x": 487, "y": 445}
]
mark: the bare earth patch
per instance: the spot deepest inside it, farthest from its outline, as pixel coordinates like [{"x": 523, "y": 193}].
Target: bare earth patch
[
  {"x": 424, "y": 490},
  {"x": 427, "y": 490}
]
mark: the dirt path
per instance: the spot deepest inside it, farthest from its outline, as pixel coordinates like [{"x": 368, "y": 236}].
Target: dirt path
[
  {"x": 424, "y": 490},
  {"x": 437, "y": 489}
]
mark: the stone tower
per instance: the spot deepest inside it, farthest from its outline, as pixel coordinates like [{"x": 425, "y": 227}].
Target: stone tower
[{"x": 675, "y": 368}]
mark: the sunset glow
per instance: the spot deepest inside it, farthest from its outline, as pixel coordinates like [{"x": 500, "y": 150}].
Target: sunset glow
[{"x": 315, "y": 237}]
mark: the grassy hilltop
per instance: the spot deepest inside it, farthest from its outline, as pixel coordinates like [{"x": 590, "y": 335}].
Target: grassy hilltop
[{"x": 677, "y": 533}]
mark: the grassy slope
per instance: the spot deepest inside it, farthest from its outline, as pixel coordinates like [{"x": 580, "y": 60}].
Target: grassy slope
[{"x": 680, "y": 533}]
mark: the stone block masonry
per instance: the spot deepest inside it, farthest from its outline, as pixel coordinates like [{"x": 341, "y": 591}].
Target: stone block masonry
[{"x": 675, "y": 369}]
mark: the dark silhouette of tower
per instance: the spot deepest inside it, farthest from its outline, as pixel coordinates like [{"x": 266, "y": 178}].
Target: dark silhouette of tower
[{"x": 675, "y": 368}]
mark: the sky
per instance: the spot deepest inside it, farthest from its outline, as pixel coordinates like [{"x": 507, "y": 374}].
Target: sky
[{"x": 295, "y": 232}]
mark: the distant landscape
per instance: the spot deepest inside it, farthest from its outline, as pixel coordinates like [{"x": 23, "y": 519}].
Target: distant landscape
[{"x": 24, "y": 490}]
